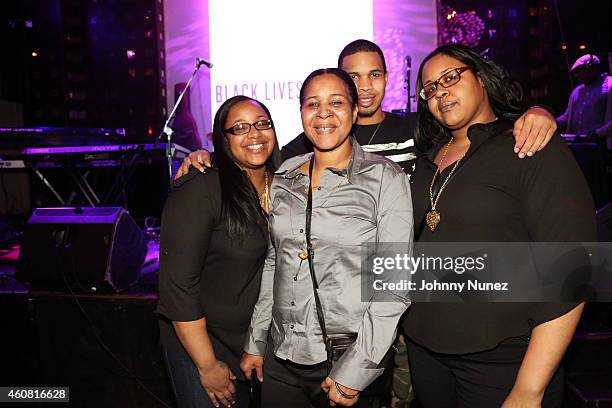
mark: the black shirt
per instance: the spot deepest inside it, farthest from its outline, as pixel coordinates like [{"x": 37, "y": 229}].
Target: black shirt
[
  {"x": 393, "y": 139},
  {"x": 203, "y": 273},
  {"x": 494, "y": 196}
]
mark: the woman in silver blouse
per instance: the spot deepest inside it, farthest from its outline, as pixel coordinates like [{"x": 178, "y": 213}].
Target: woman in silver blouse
[{"x": 355, "y": 198}]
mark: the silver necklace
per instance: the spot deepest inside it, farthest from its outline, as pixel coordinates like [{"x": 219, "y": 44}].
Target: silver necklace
[{"x": 374, "y": 134}]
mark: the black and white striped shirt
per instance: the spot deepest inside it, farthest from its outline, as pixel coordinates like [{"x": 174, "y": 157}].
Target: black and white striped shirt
[{"x": 393, "y": 138}]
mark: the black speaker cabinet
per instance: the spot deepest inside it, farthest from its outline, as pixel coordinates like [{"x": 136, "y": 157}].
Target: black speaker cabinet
[{"x": 89, "y": 249}]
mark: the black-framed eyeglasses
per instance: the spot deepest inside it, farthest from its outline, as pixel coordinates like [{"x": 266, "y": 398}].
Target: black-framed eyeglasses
[
  {"x": 447, "y": 80},
  {"x": 243, "y": 128}
]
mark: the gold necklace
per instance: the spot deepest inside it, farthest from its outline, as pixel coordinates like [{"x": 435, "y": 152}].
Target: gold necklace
[
  {"x": 303, "y": 253},
  {"x": 432, "y": 219},
  {"x": 264, "y": 198}
]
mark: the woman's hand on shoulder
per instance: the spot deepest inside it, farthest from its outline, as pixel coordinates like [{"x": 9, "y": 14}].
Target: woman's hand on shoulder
[
  {"x": 250, "y": 362},
  {"x": 200, "y": 159},
  {"x": 533, "y": 130},
  {"x": 217, "y": 382}
]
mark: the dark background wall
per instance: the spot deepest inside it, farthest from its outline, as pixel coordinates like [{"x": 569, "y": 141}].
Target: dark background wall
[
  {"x": 82, "y": 75},
  {"x": 85, "y": 63},
  {"x": 527, "y": 37}
]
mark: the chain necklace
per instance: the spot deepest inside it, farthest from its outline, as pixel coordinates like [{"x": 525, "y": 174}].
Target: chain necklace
[
  {"x": 432, "y": 219},
  {"x": 374, "y": 134},
  {"x": 302, "y": 253},
  {"x": 264, "y": 197}
]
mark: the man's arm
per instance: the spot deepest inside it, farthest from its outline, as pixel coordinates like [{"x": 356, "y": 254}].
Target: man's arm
[
  {"x": 299, "y": 145},
  {"x": 533, "y": 130},
  {"x": 200, "y": 159}
]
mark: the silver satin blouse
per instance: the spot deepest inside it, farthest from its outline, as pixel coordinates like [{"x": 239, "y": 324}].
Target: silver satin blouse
[{"x": 368, "y": 202}]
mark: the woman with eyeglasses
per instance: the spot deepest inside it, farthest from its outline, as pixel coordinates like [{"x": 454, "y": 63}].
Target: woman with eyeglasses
[
  {"x": 469, "y": 187},
  {"x": 214, "y": 237},
  {"x": 325, "y": 205}
]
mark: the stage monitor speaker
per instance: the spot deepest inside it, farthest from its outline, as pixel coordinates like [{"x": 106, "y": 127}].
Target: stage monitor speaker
[{"x": 89, "y": 249}]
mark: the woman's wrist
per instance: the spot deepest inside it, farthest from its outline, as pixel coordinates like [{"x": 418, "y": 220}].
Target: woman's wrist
[
  {"x": 346, "y": 392},
  {"x": 528, "y": 390},
  {"x": 206, "y": 365}
]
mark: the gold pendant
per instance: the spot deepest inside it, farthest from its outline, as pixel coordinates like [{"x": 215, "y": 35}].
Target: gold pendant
[
  {"x": 432, "y": 219},
  {"x": 303, "y": 255}
]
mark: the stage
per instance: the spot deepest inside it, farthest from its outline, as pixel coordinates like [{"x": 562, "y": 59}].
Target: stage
[{"x": 104, "y": 347}]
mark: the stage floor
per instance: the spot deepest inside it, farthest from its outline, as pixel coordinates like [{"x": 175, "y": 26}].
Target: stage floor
[{"x": 105, "y": 345}]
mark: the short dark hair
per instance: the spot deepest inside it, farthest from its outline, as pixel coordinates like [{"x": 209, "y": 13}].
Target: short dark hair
[
  {"x": 350, "y": 85},
  {"x": 239, "y": 199},
  {"x": 505, "y": 94},
  {"x": 361, "y": 46}
]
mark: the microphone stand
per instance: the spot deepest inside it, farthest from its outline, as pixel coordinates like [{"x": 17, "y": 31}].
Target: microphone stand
[
  {"x": 167, "y": 130},
  {"x": 407, "y": 82}
]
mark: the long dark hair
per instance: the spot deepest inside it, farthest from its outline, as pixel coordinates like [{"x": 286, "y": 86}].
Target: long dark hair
[
  {"x": 239, "y": 199},
  {"x": 505, "y": 95},
  {"x": 350, "y": 85}
]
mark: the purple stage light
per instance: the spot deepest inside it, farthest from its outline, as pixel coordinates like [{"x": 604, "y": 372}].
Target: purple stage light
[{"x": 461, "y": 28}]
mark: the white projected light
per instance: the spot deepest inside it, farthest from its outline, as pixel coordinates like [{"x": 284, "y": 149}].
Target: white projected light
[{"x": 265, "y": 49}]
